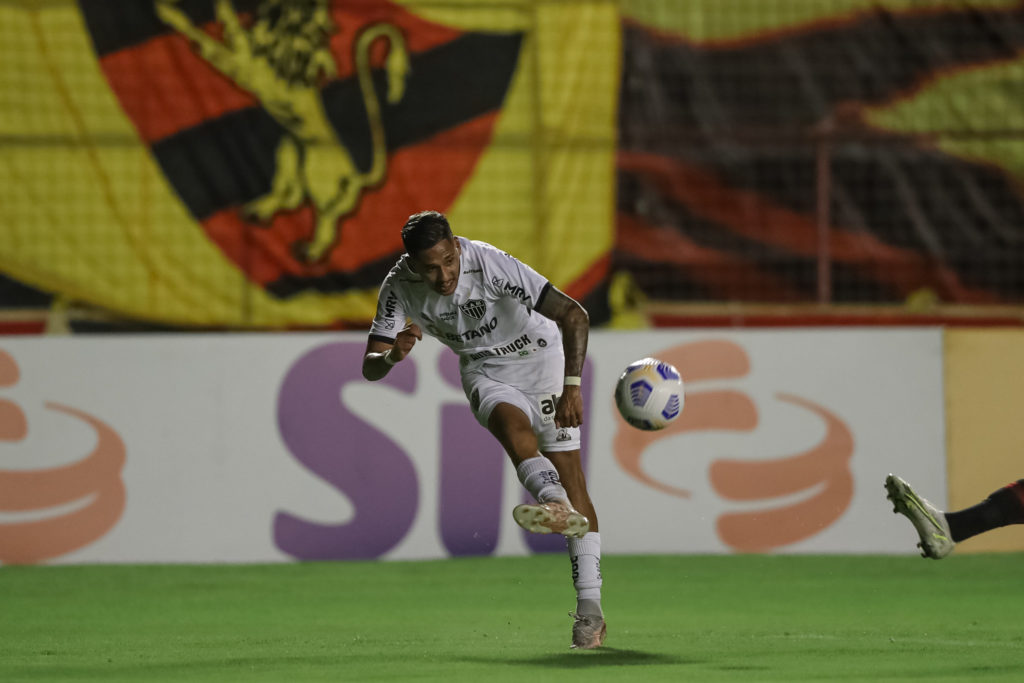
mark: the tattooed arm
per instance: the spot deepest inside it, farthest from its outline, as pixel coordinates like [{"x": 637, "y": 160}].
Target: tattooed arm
[{"x": 572, "y": 318}]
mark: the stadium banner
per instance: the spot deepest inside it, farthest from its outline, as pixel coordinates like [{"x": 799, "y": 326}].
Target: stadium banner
[
  {"x": 249, "y": 163},
  {"x": 262, "y": 448},
  {"x": 733, "y": 112},
  {"x": 984, "y": 393}
]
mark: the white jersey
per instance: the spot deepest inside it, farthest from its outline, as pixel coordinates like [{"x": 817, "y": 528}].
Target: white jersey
[{"x": 488, "y": 321}]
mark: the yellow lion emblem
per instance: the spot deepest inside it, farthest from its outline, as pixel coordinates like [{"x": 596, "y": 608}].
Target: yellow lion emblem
[{"x": 282, "y": 58}]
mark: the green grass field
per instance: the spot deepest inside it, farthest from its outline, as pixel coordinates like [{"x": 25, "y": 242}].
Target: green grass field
[{"x": 671, "y": 618}]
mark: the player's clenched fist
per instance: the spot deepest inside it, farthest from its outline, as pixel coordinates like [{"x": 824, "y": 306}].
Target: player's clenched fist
[{"x": 569, "y": 411}]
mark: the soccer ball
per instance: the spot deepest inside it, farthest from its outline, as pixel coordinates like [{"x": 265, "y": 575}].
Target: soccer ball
[{"x": 649, "y": 394}]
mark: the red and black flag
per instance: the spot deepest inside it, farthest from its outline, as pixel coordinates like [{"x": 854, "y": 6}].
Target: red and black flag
[
  {"x": 721, "y": 146},
  {"x": 223, "y": 138},
  {"x": 249, "y": 163}
]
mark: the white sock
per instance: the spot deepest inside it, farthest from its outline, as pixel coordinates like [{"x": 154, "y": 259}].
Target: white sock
[
  {"x": 540, "y": 478},
  {"x": 585, "y": 555}
]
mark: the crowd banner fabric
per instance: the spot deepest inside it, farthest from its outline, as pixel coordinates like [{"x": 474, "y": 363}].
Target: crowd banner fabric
[
  {"x": 249, "y": 163},
  {"x": 883, "y": 139},
  {"x": 267, "y": 448}
]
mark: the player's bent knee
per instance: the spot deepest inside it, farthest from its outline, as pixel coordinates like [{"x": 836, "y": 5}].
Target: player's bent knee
[{"x": 511, "y": 427}]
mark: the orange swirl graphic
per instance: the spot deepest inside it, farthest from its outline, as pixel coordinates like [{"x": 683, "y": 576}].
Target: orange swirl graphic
[
  {"x": 13, "y": 425},
  {"x": 97, "y": 475},
  {"x": 826, "y": 465},
  {"x": 823, "y": 470}
]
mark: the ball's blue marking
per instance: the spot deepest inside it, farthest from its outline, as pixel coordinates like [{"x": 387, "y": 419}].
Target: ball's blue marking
[
  {"x": 667, "y": 371},
  {"x": 671, "y": 408},
  {"x": 639, "y": 392}
]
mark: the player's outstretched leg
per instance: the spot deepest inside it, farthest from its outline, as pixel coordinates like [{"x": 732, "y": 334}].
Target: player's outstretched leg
[
  {"x": 553, "y": 517},
  {"x": 1001, "y": 508},
  {"x": 929, "y": 521}
]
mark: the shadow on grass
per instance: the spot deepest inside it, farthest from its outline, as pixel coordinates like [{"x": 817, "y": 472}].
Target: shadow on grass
[
  {"x": 605, "y": 656},
  {"x": 131, "y": 669}
]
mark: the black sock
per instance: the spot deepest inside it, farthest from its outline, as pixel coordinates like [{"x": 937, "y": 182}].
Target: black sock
[{"x": 1004, "y": 507}]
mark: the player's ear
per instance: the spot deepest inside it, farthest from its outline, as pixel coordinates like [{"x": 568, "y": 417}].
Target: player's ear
[{"x": 413, "y": 264}]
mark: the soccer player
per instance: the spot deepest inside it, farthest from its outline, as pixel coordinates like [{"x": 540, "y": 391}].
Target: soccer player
[
  {"x": 941, "y": 531},
  {"x": 521, "y": 344}
]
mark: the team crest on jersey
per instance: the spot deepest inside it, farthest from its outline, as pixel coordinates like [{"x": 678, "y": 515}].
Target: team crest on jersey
[{"x": 474, "y": 308}]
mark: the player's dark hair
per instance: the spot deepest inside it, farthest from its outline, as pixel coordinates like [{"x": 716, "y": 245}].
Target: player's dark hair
[{"x": 423, "y": 230}]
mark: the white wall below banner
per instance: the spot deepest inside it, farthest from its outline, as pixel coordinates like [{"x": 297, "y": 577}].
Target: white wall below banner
[{"x": 255, "y": 448}]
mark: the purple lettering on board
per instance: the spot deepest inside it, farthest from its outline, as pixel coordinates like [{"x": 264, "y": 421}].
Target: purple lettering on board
[
  {"x": 471, "y": 474},
  {"x": 354, "y": 457},
  {"x": 552, "y": 543}
]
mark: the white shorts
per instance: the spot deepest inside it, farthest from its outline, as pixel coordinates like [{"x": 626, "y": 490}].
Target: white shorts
[{"x": 484, "y": 394}]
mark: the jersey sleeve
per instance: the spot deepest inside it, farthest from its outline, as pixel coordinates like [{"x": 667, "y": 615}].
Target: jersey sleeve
[
  {"x": 390, "y": 316},
  {"x": 508, "y": 276}
]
